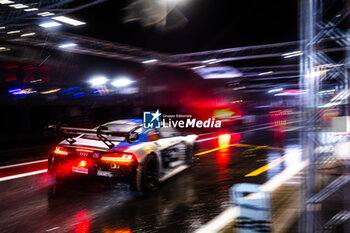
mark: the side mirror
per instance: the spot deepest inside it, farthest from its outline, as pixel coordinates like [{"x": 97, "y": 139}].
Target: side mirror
[{"x": 132, "y": 137}]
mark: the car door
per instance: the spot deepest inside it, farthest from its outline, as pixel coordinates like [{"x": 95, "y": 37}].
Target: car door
[{"x": 174, "y": 150}]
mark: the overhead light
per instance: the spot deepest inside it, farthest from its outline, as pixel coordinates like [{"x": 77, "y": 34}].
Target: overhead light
[
  {"x": 70, "y": 21},
  {"x": 197, "y": 67},
  {"x": 1, "y": 28},
  {"x": 67, "y": 45},
  {"x": 19, "y": 6},
  {"x": 210, "y": 61},
  {"x": 6, "y": 2},
  {"x": 46, "y": 13},
  {"x": 292, "y": 54},
  {"x": 149, "y": 61},
  {"x": 50, "y": 24},
  {"x": 31, "y": 9},
  {"x": 13, "y": 32},
  {"x": 122, "y": 82},
  {"x": 98, "y": 81},
  {"x": 265, "y": 73},
  {"x": 275, "y": 90},
  {"x": 28, "y": 34}
]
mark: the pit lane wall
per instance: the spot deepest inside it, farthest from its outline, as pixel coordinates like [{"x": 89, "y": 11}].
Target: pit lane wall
[{"x": 277, "y": 201}]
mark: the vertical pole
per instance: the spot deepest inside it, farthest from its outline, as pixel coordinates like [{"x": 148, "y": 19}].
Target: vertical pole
[{"x": 309, "y": 82}]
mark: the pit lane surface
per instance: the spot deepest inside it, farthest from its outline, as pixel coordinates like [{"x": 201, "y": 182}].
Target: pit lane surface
[{"x": 182, "y": 204}]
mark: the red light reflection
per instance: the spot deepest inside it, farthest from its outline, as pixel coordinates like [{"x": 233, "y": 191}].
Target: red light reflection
[
  {"x": 84, "y": 222},
  {"x": 224, "y": 142},
  {"x": 123, "y": 230},
  {"x": 223, "y": 157}
]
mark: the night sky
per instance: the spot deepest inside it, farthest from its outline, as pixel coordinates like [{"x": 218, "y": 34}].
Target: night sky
[{"x": 196, "y": 25}]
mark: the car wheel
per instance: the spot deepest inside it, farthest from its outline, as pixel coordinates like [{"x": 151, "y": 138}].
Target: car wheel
[
  {"x": 150, "y": 175},
  {"x": 190, "y": 152},
  {"x": 57, "y": 172}
]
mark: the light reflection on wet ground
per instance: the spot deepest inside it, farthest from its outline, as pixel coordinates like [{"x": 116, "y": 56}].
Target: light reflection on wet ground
[{"x": 182, "y": 204}]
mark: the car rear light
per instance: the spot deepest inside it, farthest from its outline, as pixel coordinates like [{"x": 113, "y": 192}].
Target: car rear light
[
  {"x": 60, "y": 150},
  {"x": 224, "y": 139},
  {"x": 82, "y": 163},
  {"x": 119, "y": 158},
  {"x": 84, "y": 150}
]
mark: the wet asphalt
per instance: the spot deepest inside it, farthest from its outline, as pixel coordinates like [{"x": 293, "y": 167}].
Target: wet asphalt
[{"x": 181, "y": 204}]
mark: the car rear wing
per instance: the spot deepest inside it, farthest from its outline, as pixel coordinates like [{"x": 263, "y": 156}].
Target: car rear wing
[{"x": 101, "y": 132}]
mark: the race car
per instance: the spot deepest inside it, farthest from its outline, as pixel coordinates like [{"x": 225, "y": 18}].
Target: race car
[{"x": 121, "y": 149}]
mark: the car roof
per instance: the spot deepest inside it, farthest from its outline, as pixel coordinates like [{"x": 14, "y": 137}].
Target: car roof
[{"x": 126, "y": 121}]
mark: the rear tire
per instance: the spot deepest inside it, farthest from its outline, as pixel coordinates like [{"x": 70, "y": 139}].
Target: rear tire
[
  {"x": 54, "y": 169},
  {"x": 150, "y": 176},
  {"x": 59, "y": 176}
]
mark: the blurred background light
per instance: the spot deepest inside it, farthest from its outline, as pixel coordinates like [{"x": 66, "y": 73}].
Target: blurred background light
[
  {"x": 292, "y": 92},
  {"x": 122, "y": 82},
  {"x": 70, "y": 21},
  {"x": 19, "y": 6},
  {"x": 28, "y": 34},
  {"x": 98, "y": 81},
  {"x": 46, "y": 13},
  {"x": 219, "y": 72},
  {"x": 50, "y": 91},
  {"x": 198, "y": 67},
  {"x": 275, "y": 90},
  {"x": 31, "y": 9},
  {"x": 265, "y": 73},
  {"x": 22, "y": 92},
  {"x": 6, "y": 2},
  {"x": 292, "y": 54},
  {"x": 150, "y": 61},
  {"x": 67, "y": 45},
  {"x": 14, "y": 90},
  {"x": 50, "y": 24},
  {"x": 13, "y": 32},
  {"x": 210, "y": 61}
]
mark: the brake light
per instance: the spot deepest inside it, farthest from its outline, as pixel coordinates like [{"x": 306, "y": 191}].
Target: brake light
[
  {"x": 61, "y": 150},
  {"x": 224, "y": 140},
  {"x": 118, "y": 158},
  {"x": 82, "y": 163},
  {"x": 84, "y": 150}
]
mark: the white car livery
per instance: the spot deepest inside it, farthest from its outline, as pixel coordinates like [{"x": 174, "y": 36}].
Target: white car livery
[{"x": 124, "y": 150}]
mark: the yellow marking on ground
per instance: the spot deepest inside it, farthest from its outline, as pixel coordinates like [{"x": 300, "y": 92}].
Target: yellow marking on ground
[
  {"x": 266, "y": 167},
  {"x": 239, "y": 145}
]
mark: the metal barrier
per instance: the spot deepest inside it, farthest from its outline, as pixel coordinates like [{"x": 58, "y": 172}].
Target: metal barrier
[{"x": 276, "y": 204}]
